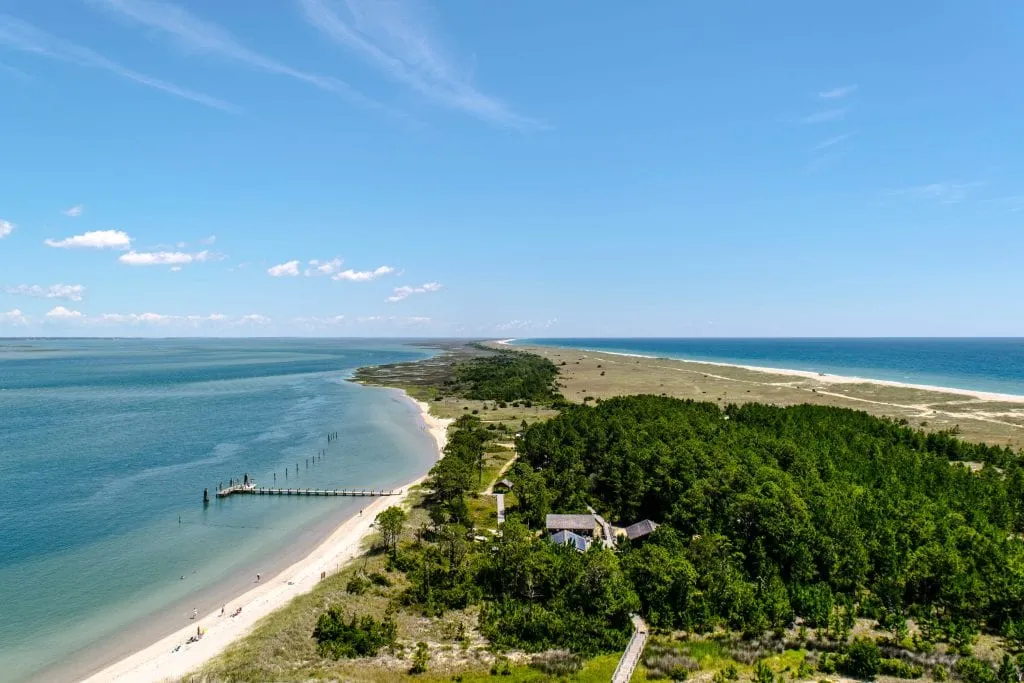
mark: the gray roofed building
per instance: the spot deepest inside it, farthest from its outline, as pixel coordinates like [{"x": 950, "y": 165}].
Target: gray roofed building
[
  {"x": 569, "y": 538},
  {"x": 503, "y": 484},
  {"x": 640, "y": 529},
  {"x": 580, "y": 524}
]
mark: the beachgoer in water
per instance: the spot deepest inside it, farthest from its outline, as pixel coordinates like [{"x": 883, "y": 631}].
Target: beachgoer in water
[
  {"x": 257, "y": 577},
  {"x": 181, "y": 578}
]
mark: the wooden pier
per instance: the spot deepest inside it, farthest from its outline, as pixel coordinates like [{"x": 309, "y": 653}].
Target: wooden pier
[{"x": 260, "y": 491}]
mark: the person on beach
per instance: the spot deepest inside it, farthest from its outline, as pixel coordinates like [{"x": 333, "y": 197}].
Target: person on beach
[
  {"x": 222, "y": 610},
  {"x": 195, "y": 612},
  {"x": 257, "y": 577}
]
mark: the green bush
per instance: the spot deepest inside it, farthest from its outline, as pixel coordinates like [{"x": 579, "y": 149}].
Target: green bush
[
  {"x": 863, "y": 659},
  {"x": 340, "y": 636},
  {"x": 557, "y": 663},
  {"x": 972, "y": 670},
  {"x": 357, "y": 585},
  {"x": 900, "y": 669},
  {"x": 420, "y": 658}
]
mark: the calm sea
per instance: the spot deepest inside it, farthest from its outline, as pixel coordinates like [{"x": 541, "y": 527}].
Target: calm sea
[
  {"x": 106, "y": 446},
  {"x": 995, "y": 365}
]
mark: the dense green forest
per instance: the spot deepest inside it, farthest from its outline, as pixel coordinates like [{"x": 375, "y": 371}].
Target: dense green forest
[
  {"x": 770, "y": 513},
  {"x": 534, "y": 595},
  {"x": 506, "y": 376}
]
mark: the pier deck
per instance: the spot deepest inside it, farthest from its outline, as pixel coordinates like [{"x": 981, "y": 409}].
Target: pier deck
[{"x": 261, "y": 491}]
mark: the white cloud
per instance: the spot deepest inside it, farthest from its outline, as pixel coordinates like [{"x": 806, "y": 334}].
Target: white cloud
[
  {"x": 208, "y": 240},
  {"x": 826, "y": 115},
  {"x": 512, "y": 325},
  {"x": 6, "y": 228},
  {"x": 167, "y": 258},
  {"x": 96, "y": 239},
  {"x": 319, "y": 321},
  {"x": 395, "y": 38},
  {"x": 21, "y": 35},
  {"x": 74, "y": 212},
  {"x": 404, "y": 292},
  {"x": 254, "y": 319},
  {"x": 316, "y": 268},
  {"x": 156, "y": 258},
  {"x": 837, "y": 93},
  {"x": 363, "y": 275},
  {"x": 61, "y": 291},
  {"x": 289, "y": 269},
  {"x": 198, "y": 36},
  {"x": 159, "y": 319},
  {"x": 14, "y": 317},
  {"x": 61, "y": 313}
]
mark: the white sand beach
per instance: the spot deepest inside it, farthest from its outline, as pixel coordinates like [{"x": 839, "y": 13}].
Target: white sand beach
[{"x": 160, "y": 662}]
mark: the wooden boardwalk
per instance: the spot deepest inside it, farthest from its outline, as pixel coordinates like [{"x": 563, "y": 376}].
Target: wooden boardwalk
[
  {"x": 260, "y": 491},
  {"x": 631, "y": 657}
]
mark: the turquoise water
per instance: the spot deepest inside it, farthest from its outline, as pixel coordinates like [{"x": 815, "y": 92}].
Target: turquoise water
[
  {"x": 990, "y": 364},
  {"x": 106, "y": 444}
]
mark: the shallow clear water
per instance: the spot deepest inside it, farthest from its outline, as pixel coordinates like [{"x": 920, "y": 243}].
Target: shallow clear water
[
  {"x": 106, "y": 444},
  {"x": 994, "y": 364}
]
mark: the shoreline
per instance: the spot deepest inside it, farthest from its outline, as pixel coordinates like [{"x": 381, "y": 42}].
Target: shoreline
[
  {"x": 159, "y": 662},
  {"x": 824, "y": 378}
]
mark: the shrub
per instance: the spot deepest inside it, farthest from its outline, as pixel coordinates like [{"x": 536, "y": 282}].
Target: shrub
[
  {"x": 557, "y": 663},
  {"x": 763, "y": 673},
  {"x": 900, "y": 669},
  {"x": 420, "y": 658},
  {"x": 939, "y": 673},
  {"x": 501, "y": 666},
  {"x": 972, "y": 670},
  {"x": 862, "y": 659},
  {"x": 379, "y": 579},
  {"x": 728, "y": 673},
  {"x": 338, "y": 636},
  {"x": 357, "y": 585},
  {"x": 662, "y": 662}
]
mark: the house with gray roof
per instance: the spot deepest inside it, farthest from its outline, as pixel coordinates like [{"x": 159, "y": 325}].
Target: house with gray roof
[
  {"x": 569, "y": 538},
  {"x": 583, "y": 525},
  {"x": 640, "y": 529}
]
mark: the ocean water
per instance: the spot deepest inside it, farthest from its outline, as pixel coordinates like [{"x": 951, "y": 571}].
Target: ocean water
[
  {"x": 992, "y": 364},
  {"x": 106, "y": 446}
]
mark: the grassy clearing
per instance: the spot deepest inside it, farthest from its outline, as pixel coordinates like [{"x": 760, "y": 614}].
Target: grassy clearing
[{"x": 603, "y": 375}]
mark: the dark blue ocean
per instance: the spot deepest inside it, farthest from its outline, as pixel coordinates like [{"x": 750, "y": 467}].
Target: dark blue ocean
[
  {"x": 994, "y": 364},
  {"x": 106, "y": 444}
]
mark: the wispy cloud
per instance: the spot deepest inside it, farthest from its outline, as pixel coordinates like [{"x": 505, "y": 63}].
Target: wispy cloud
[
  {"x": 826, "y": 115},
  {"x": 166, "y": 258},
  {"x": 943, "y": 193},
  {"x": 17, "y": 73},
  {"x": 404, "y": 292},
  {"x": 208, "y": 240},
  {"x": 74, "y": 212},
  {"x": 68, "y": 292},
  {"x": 395, "y": 38},
  {"x": 833, "y": 141},
  {"x": 96, "y": 239},
  {"x": 837, "y": 93},
  {"x": 6, "y": 228},
  {"x": 23, "y": 36},
  {"x": 199, "y": 36},
  {"x": 363, "y": 275},
  {"x": 513, "y": 325}
]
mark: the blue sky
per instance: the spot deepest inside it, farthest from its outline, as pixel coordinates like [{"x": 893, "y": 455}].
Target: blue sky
[{"x": 392, "y": 167}]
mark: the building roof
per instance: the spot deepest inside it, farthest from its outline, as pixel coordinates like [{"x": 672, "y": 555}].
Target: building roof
[
  {"x": 585, "y": 522},
  {"x": 569, "y": 538},
  {"x": 641, "y": 528},
  {"x": 503, "y": 482}
]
